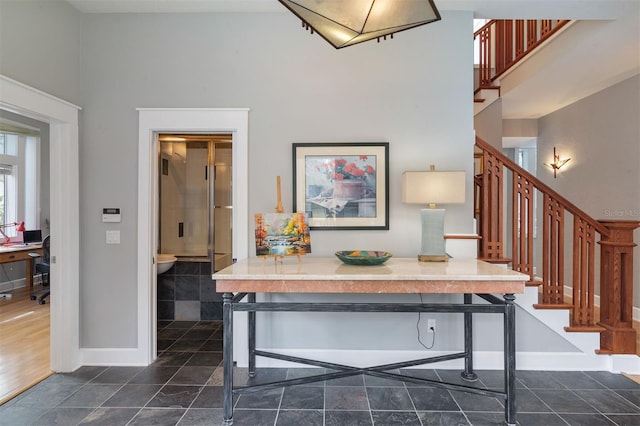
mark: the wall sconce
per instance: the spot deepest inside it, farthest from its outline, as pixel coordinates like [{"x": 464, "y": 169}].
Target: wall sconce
[
  {"x": 347, "y": 22},
  {"x": 19, "y": 227},
  {"x": 431, "y": 188},
  {"x": 557, "y": 162}
]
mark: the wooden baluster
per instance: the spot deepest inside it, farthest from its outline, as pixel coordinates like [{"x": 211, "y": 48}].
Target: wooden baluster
[
  {"x": 507, "y": 41},
  {"x": 520, "y": 39},
  {"x": 616, "y": 287},
  {"x": 485, "y": 57},
  {"x": 492, "y": 208},
  {"x": 583, "y": 312},
  {"x": 532, "y": 33},
  {"x": 522, "y": 225},
  {"x": 498, "y": 59},
  {"x": 488, "y": 53},
  {"x": 552, "y": 255}
]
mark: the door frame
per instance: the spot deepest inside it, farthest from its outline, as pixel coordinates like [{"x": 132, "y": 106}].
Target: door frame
[
  {"x": 153, "y": 121},
  {"x": 64, "y": 179}
]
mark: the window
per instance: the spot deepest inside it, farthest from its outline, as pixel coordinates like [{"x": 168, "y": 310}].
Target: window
[{"x": 19, "y": 158}]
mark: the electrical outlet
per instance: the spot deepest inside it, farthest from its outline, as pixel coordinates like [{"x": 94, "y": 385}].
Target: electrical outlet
[{"x": 431, "y": 325}]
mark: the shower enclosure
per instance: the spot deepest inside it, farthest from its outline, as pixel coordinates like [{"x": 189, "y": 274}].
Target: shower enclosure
[{"x": 195, "y": 220}]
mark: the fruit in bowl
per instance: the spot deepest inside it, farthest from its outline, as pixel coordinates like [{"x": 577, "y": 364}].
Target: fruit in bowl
[{"x": 363, "y": 257}]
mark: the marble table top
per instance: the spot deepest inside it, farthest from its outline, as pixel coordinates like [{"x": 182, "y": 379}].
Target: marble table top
[{"x": 397, "y": 275}]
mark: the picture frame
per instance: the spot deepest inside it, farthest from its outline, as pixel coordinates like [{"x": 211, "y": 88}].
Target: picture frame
[
  {"x": 342, "y": 185},
  {"x": 281, "y": 234}
]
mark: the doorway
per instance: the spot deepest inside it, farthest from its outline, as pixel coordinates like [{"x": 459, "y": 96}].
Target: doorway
[
  {"x": 152, "y": 122},
  {"x": 194, "y": 223},
  {"x": 195, "y": 195},
  {"x": 62, "y": 118}
]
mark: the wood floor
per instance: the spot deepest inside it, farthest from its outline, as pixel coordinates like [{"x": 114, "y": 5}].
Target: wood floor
[{"x": 24, "y": 344}]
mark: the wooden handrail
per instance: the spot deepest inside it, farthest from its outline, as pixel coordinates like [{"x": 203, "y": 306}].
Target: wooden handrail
[
  {"x": 616, "y": 240},
  {"x": 541, "y": 186},
  {"x": 502, "y": 43}
]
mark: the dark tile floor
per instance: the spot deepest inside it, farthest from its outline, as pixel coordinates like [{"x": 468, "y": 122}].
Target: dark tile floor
[{"x": 183, "y": 387}]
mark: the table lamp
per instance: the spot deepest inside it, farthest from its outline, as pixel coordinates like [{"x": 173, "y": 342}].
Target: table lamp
[
  {"x": 19, "y": 227},
  {"x": 430, "y": 188}
]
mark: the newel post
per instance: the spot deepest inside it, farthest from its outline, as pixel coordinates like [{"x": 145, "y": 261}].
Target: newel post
[{"x": 616, "y": 287}]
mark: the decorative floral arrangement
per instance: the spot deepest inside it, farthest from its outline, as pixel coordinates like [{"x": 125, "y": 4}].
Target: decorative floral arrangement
[{"x": 341, "y": 169}]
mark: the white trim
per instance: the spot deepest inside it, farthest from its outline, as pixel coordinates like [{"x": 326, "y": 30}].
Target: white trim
[
  {"x": 112, "y": 357},
  {"x": 13, "y": 284},
  {"x": 482, "y": 360},
  {"x": 205, "y": 120},
  {"x": 62, "y": 117}
]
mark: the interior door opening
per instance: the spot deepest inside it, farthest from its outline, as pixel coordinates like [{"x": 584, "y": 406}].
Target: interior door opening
[{"x": 195, "y": 218}]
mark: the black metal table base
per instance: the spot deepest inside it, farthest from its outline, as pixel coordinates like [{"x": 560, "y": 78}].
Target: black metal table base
[{"x": 506, "y": 307}]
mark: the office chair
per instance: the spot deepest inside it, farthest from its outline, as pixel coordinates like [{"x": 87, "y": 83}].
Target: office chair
[{"x": 42, "y": 268}]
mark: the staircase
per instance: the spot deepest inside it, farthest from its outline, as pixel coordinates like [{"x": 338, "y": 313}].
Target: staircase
[
  {"x": 564, "y": 251},
  {"x": 560, "y": 258},
  {"x": 501, "y": 44}
]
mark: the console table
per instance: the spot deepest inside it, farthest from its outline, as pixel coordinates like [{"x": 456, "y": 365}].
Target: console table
[{"x": 492, "y": 284}]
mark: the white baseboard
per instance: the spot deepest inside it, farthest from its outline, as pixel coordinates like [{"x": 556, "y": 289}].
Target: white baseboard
[
  {"x": 13, "y": 285},
  {"x": 483, "y": 360},
  {"x": 18, "y": 283},
  {"x": 113, "y": 357}
]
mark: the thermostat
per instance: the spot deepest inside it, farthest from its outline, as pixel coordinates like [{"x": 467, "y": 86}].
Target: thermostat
[{"x": 111, "y": 214}]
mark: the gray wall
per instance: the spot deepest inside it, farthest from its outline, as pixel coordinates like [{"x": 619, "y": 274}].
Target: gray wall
[
  {"x": 601, "y": 135},
  {"x": 299, "y": 89},
  {"x": 488, "y": 124},
  {"x": 520, "y": 128},
  {"x": 40, "y": 46}
]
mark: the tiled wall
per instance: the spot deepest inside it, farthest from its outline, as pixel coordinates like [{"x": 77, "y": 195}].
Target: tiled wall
[{"x": 186, "y": 292}]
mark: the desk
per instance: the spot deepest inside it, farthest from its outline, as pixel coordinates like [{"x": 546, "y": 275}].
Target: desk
[
  {"x": 329, "y": 275},
  {"x": 18, "y": 253}
]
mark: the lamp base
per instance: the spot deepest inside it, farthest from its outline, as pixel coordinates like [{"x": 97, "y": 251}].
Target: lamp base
[
  {"x": 432, "y": 258},
  {"x": 432, "y": 248}
]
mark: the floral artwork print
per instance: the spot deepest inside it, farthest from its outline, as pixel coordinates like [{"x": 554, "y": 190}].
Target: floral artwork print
[
  {"x": 340, "y": 168},
  {"x": 282, "y": 234},
  {"x": 341, "y": 185}
]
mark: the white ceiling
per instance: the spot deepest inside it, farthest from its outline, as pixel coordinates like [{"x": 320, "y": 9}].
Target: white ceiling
[
  {"x": 618, "y": 48},
  {"x": 491, "y": 9}
]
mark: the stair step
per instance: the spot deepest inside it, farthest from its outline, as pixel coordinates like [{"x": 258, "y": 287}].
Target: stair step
[
  {"x": 552, "y": 306},
  {"x": 479, "y": 100},
  {"x": 584, "y": 328},
  {"x": 496, "y": 259}
]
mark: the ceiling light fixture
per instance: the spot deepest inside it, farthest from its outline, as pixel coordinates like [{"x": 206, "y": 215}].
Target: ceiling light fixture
[{"x": 347, "y": 22}]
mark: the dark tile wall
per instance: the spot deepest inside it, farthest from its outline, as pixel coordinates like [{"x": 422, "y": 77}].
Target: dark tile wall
[{"x": 186, "y": 292}]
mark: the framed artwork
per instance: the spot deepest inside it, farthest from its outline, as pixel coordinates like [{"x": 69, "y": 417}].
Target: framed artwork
[
  {"x": 282, "y": 234},
  {"x": 342, "y": 185}
]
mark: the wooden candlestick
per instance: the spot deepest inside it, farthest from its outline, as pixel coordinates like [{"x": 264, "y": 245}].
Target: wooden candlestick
[{"x": 279, "y": 208}]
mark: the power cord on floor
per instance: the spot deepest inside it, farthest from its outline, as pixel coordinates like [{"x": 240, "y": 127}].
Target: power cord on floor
[{"x": 433, "y": 341}]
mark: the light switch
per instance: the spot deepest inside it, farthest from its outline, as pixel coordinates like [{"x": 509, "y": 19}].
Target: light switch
[{"x": 113, "y": 237}]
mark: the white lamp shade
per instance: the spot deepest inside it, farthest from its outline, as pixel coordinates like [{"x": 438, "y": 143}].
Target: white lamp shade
[{"x": 424, "y": 187}]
